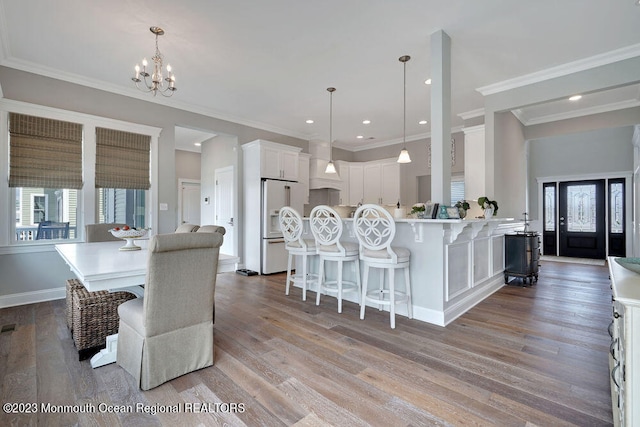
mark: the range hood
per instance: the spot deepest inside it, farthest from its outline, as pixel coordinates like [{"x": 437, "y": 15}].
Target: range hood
[{"x": 317, "y": 164}]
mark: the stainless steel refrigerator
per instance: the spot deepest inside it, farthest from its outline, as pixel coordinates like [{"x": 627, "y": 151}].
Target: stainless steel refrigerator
[{"x": 275, "y": 195}]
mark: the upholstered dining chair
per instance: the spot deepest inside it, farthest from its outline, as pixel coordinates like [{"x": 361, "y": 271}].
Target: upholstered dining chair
[
  {"x": 326, "y": 227},
  {"x": 211, "y": 229},
  {"x": 187, "y": 228},
  {"x": 92, "y": 316},
  {"x": 375, "y": 229},
  {"x": 169, "y": 332},
  {"x": 292, "y": 229}
]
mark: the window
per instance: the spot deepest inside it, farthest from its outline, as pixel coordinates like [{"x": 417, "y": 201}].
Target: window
[
  {"x": 44, "y": 153},
  {"x": 122, "y": 206},
  {"x": 50, "y": 156}
]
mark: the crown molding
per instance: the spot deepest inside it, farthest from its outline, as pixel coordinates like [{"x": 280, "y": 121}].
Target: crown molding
[
  {"x": 472, "y": 114},
  {"x": 563, "y": 70},
  {"x": 417, "y": 137},
  {"x": 631, "y": 103},
  {"x": 30, "y": 67}
]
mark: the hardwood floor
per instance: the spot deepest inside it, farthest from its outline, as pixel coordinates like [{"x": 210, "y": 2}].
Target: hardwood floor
[{"x": 524, "y": 356}]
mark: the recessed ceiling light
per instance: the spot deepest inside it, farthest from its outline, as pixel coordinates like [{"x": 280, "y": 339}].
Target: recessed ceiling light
[
  {"x": 197, "y": 144},
  {"x": 366, "y": 122},
  {"x": 427, "y": 82},
  {"x": 575, "y": 97},
  {"x": 422, "y": 122},
  {"x": 309, "y": 121},
  {"x": 359, "y": 136}
]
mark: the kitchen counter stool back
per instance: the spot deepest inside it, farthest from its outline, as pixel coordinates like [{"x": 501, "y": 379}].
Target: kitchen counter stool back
[
  {"x": 375, "y": 229},
  {"x": 327, "y": 227},
  {"x": 292, "y": 228}
]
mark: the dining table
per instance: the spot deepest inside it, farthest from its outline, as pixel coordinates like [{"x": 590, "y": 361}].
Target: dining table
[{"x": 104, "y": 266}]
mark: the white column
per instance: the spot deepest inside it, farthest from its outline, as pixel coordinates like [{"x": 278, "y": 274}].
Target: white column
[
  {"x": 441, "y": 118},
  {"x": 474, "y": 164}
]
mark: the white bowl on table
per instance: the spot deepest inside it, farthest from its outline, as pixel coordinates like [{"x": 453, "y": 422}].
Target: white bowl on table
[{"x": 129, "y": 235}]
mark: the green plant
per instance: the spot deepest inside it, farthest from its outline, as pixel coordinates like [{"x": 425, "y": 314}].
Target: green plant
[
  {"x": 485, "y": 203},
  {"x": 462, "y": 204},
  {"x": 418, "y": 207}
]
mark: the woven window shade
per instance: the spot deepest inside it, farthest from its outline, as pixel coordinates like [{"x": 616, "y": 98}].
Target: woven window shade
[
  {"x": 122, "y": 159},
  {"x": 44, "y": 153}
]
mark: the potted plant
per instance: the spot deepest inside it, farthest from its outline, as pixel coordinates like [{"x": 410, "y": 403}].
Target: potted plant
[
  {"x": 418, "y": 210},
  {"x": 462, "y": 206},
  {"x": 490, "y": 206}
]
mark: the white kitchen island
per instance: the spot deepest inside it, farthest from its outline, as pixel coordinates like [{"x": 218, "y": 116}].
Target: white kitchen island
[{"x": 455, "y": 263}]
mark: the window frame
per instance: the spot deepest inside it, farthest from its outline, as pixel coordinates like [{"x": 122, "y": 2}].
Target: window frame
[{"x": 87, "y": 196}]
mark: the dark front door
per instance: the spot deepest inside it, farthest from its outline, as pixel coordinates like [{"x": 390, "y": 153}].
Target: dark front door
[{"x": 581, "y": 211}]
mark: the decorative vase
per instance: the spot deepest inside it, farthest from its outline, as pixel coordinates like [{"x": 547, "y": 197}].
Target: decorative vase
[
  {"x": 421, "y": 215},
  {"x": 488, "y": 212},
  {"x": 462, "y": 212}
]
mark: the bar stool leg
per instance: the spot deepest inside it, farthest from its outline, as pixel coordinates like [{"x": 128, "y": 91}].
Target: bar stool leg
[
  {"x": 392, "y": 297},
  {"x": 339, "y": 284},
  {"x": 288, "y": 273},
  {"x": 365, "y": 281},
  {"x": 407, "y": 284},
  {"x": 320, "y": 280},
  {"x": 304, "y": 277},
  {"x": 357, "y": 271},
  {"x": 381, "y": 270}
]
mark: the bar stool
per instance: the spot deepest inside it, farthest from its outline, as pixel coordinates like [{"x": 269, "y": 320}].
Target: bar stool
[
  {"x": 292, "y": 227},
  {"x": 327, "y": 226},
  {"x": 375, "y": 229}
]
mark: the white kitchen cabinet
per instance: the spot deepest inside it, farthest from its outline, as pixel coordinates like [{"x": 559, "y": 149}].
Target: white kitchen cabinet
[
  {"x": 303, "y": 174},
  {"x": 624, "y": 351},
  {"x": 343, "y": 170},
  {"x": 356, "y": 183},
  {"x": 278, "y": 162},
  {"x": 381, "y": 182}
]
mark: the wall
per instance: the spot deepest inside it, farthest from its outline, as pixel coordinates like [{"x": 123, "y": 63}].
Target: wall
[
  {"x": 600, "y": 151},
  {"x": 187, "y": 165},
  {"x": 31, "y": 88},
  {"x": 510, "y": 163}
]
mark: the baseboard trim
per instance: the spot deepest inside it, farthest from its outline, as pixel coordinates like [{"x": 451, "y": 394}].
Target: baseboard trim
[{"x": 32, "y": 297}]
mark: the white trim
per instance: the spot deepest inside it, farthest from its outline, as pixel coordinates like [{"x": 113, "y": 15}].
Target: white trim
[
  {"x": 23, "y": 298},
  {"x": 562, "y": 70},
  {"x": 181, "y": 182},
  {"x": 473, "y": 129},
  {"x": 143, "y": 96},
  {"x": 599, "y": 109},
  {"x": 585, "y": 177},
  {"x": 390, "y": 142},
  {"x": 472, "y": 114},
  {"x": 86, "y": 205}
]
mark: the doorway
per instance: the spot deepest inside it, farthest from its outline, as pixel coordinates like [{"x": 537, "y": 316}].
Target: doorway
[
  {"x": 224, "y": 204},
  {"x": 584, "y": 218},
  {"x": 189, "y": 201}
]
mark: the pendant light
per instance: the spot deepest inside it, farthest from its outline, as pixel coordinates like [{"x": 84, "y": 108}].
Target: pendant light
[
  {"x": 331, "y": 168},
  {"x": 404, "y": 154}
]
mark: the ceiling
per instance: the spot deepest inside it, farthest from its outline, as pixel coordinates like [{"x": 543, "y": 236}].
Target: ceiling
[{"x": 267, "y": 64}]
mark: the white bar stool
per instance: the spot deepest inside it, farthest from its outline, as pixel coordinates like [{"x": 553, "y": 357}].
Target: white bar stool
[
  {"x": 326, "y": 227},
  {"x": 375, "y": 229},
  {"x": 292, "y": 227}
]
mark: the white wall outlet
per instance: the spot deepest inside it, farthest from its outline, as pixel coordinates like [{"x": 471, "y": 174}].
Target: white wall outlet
[{"x": 164, "y": 206}]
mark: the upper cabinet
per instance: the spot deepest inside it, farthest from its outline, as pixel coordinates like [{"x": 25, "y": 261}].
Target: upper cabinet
[
  {"x": 277, "y": 161},
  {"x": 356, "y": 183},
  {"x": 303, "y": 174},
  {"x": 381, "y": 182}
]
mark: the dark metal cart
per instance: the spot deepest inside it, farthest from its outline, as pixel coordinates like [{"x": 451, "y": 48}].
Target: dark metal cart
[{"x": 522, "y": 256}]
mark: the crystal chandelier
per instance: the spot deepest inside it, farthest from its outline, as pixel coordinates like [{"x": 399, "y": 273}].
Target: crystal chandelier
[{"x": 165, "y": 86}]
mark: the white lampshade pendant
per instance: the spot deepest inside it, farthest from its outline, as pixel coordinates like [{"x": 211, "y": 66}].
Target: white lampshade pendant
[
  {"x": 404, "y": 156},
  {"x": 331, "y": 168},
  {"x": 404, "y": 153}
]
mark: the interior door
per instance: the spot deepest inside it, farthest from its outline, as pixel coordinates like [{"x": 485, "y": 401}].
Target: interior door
[
  {"x": 581, "y": 210},
  {"x": 224, "y": 208},
  {"x": 190, "y": 202}
]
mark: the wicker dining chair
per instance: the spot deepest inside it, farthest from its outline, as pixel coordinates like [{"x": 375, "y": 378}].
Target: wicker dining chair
[{"x": 93, "y": 316}]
